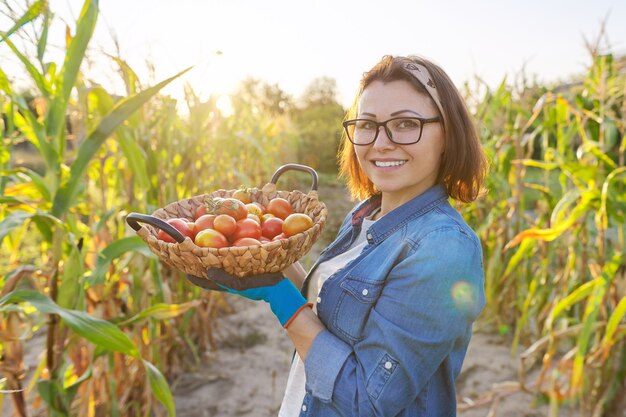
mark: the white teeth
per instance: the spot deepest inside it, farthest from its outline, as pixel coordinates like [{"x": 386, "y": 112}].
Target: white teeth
[{"x": 389, "y": 163}]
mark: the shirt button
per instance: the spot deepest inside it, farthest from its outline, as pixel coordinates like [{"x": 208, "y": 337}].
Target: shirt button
[
  {"x": 368, "y": 236},
  {"x": 304, "y": 407},
  {"x": 388, "y": 365},
  {"x": 365, "y": 291},
  {"x": 319, "y": 300}
]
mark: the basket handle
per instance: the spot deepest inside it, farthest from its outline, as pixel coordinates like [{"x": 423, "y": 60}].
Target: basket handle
[
  {"x": 296, "y": 167},
  {"x": 133, "y": 220}
]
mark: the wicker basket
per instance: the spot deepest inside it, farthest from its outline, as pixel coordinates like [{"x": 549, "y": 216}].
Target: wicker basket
[{"x": 242, "y": 261}]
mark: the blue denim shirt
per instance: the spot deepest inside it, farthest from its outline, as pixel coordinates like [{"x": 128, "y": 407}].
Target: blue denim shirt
[{"x": 399, "y": 316}]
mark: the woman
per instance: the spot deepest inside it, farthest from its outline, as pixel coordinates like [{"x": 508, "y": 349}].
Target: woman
[{"x": 394, "y": 296}]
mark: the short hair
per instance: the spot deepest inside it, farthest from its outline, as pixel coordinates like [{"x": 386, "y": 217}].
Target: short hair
[{"x": 463, "y": 163}]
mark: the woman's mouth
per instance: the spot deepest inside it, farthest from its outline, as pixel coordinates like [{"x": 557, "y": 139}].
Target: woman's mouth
[{"x": 389, "y": 163}]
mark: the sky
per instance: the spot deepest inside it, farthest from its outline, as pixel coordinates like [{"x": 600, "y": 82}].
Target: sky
[{"x": 290, "y": 43}]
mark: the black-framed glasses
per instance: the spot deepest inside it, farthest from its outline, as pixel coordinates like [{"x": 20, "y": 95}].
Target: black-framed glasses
[{"x": 400, "y": 130}]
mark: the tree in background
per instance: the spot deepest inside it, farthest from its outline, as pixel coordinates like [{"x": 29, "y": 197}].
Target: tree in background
[{"x": 317, "y": 120}]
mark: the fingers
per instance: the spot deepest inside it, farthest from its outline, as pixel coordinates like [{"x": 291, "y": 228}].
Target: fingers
[
  {"x": 226, "y": 280},
  {"x": 207, "y": 284}
]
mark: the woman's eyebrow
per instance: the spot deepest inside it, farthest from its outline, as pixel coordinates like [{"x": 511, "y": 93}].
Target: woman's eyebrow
[{"x": 395, "y": 113}]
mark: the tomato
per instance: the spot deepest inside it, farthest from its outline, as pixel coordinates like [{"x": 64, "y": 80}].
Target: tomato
[
  {"x": 225, "y": 224},
  {"x": 255, "y": 218},
  {"x": 231, "y": 206},
  {"x": 255, "y": 209},
  {"x": 209, "y": 238},
  {"x": 246, "y": 241},
  {"x": 279, "y": 207},
  {"x": 279, "y": 237},
  {"x": 272, "y": 227},
  {"x": 243, "y": 195},
  {"x": 200, "y": 211},
  {"x": 296, "y": 223},
  {"x": 246, "y": 228},
  {"x": 182, "y": 225},
  {"x": 266, "y": 216},
  {"x": 203, "y": 222},
  {"x": 263, "y": 239}
]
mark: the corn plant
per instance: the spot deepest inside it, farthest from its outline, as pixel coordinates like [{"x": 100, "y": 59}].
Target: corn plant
[
  {"x": 48, "y": 210},
  {"x": 552, "y": 225}
]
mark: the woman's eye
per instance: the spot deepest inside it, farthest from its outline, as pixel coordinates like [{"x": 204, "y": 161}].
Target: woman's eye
[
  {"x": 407, "y": 124},
  {"x": 366, "y": 125}
]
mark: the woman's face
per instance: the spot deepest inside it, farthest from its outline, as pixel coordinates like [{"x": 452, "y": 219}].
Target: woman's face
[{"x": 400, "y": 172}]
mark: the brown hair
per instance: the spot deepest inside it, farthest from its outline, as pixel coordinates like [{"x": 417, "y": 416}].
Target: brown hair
[{"x": 463, "y": 163}]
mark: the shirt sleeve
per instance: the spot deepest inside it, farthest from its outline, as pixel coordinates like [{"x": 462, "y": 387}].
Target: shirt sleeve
[{"x": 425, "y": 310}]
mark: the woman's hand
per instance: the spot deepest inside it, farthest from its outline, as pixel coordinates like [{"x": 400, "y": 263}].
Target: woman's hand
[{"x": 283, "y": 297}]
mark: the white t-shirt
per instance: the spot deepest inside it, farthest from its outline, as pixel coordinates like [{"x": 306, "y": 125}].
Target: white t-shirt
[{"x": 294, "y": 393}]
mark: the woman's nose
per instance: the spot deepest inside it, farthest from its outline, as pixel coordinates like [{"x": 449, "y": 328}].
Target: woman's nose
[{"x": 383, "y": 139}]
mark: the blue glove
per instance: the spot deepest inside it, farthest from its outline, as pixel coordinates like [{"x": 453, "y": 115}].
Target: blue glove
[{"x": 283, "y": 297}]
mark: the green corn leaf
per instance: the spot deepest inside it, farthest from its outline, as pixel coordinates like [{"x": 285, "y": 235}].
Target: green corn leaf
[
  {"x": 574, "y": 297},
  {"x": 73, "y": 59},
  {"x": 12, "y": 221},
  {"x": 614, "y": 321},
  {"x": 602, "y": 215},
  {"x": 70, "y": 289},
  {"x": 114, "y": 251},
  {"x": 160, "y": 388},
  {"x": 31, "y": 14},
  {"x": 592, "y": 310},
  {"x": 162, "y": 311},
  {"x": 537, "y": 164},
  {"x": 38, "y": 78},
  {"x": 97, "y": 331},
  {"x": 43, "y": 39},
  {"x": 67, "y": 195}
]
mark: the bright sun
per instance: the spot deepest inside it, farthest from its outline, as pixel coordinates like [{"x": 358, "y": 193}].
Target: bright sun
[{"x": 224, "y": 105}]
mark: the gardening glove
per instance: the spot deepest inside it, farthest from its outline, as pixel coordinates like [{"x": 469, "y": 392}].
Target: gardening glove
[{"x": 283, "y": 297}]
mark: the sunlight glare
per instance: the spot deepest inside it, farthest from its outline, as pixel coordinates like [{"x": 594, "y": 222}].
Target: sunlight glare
[{"x": 224, "y": 105}]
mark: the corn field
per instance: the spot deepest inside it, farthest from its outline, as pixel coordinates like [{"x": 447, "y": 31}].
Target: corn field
[{"x": 118, "y": 326}]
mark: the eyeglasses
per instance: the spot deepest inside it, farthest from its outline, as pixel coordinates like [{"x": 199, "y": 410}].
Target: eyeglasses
[{"x": 400, "y": 130}]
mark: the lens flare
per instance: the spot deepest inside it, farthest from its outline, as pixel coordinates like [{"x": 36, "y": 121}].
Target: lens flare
[{"x": 464, "y": 296}]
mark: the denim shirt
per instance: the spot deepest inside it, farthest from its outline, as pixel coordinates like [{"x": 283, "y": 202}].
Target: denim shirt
[{"x": 398, "y": 317}]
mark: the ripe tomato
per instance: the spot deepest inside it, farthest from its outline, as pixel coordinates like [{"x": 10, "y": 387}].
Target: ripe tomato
[
  {"x": 272, "y": 227},
  {"x": 255, "y": 209},
  {"x": 255, "y": 218},
  {"x": 201, "y": 210},
  {"x": 225, "y": 224},
  {"x": 243, "y": 195},
  {"x": 203, "y": 222},
  {"x": 246, "y": 241},
  {"x": 182, "y": 225},
  {"x": 279, "y": 237},
  {"x": 209, "y": 238},
  {"x": 266, "y": 216},
  {"x": 246, "y": 228},
  {"x": 279, "y": 207},
  {"x": 296, "y": 223},
  {"x": 231, "y": 206}
]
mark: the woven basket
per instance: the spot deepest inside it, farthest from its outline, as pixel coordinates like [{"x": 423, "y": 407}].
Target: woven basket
[{"x": 242, "y": 261}]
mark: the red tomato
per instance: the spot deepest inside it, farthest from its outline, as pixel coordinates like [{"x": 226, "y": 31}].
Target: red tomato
[
  {"x": 296, "y": 223},
  {"x": 255, "y": 209},
  {"x": 279, "y": 237},
  {"x": 266, "y": 216},
  {"x": 209, "y": 238},
  {"x": 200, "y": 211},
  {"x": 279, "y": 207},
  {"x": 231, "y": 206},
  {"x": 254, "y": 217},
  {"x": 203, "y": 222},
  {"x": 225, "y": 224},
  {"x": 243, "y": 195},
  {"x": 246, "y": 241},
  {"x": 182, "y": 225},
  {"x": 246, "y": 228},
  {"x": 272, "y": 227}
]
